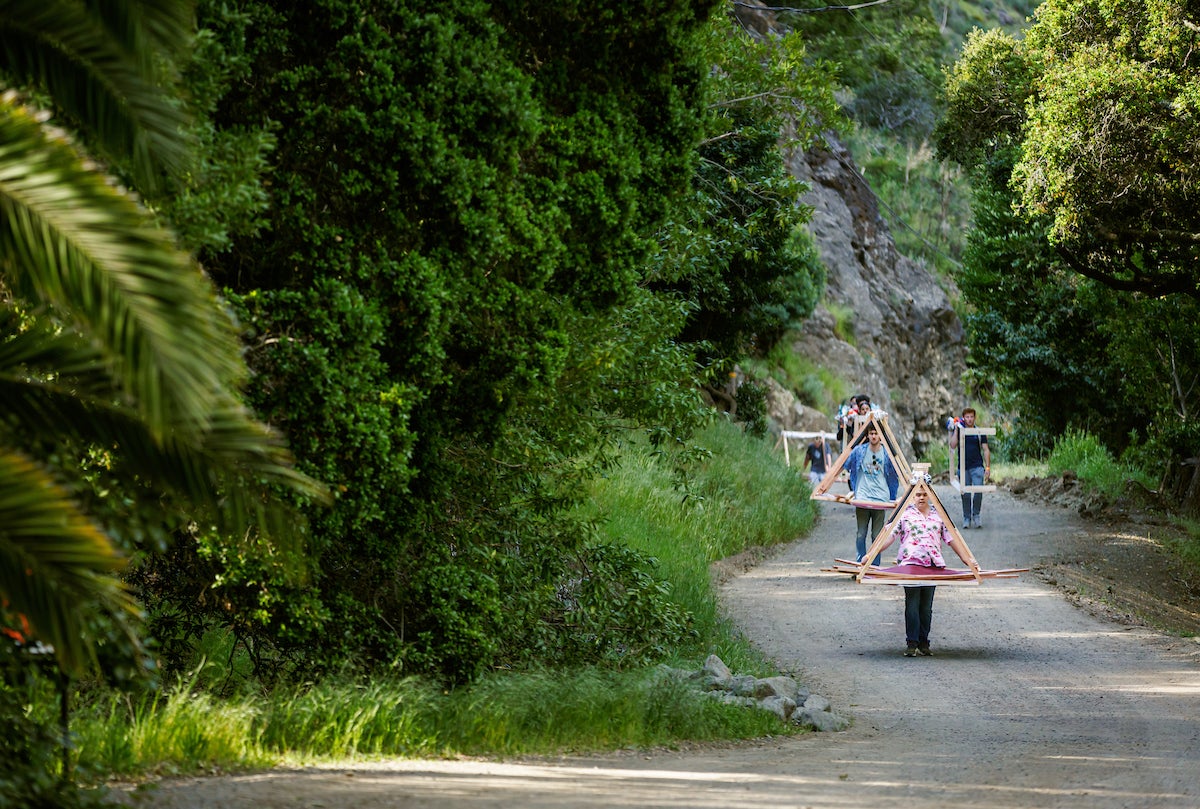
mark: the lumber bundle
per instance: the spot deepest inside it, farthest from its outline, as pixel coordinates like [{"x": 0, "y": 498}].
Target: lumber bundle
[{"x": 918, "y": 575}]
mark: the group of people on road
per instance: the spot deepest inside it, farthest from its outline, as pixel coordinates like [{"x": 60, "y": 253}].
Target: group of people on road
[{"x": 920, "y": 530}]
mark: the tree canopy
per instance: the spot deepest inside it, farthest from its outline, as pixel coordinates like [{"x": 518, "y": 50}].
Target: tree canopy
[
  {"x": 1093, "y": 116},
  {"x": 460, "y": 280}
]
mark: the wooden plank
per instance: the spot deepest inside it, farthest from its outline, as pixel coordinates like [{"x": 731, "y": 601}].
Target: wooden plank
[
  {"x": 892, "y": 450},
  {"x": 787, "y": 435}
]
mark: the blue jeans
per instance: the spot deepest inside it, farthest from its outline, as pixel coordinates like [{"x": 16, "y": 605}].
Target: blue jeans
[
  {"x": 972, "y": 502},
  {"x": 872, "y": 518},
  {"x": 918, "y": 613}
]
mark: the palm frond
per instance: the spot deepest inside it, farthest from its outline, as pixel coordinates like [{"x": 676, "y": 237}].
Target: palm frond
[
  {"x": 147, "y": 27},
  {"x": 71, "y": 242},
  {"x": 56, "y": 567},
  {"x": 94, "y": 65},
  {"x": 56, "y": 388}
]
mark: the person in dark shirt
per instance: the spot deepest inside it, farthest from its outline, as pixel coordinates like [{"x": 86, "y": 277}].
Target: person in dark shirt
[
  {"x": 814, "y": 461},
  {"x": 978, "y": 464}
]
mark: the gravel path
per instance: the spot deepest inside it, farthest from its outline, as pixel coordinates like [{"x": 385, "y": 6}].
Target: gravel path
[{"x": 1027, "y": 702}]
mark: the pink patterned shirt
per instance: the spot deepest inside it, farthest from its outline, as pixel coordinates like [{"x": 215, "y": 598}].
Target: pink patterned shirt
[{"x": 921, "y": 537}]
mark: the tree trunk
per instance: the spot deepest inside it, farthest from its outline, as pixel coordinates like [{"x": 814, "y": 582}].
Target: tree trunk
[{"x": 1188, "y": 487}]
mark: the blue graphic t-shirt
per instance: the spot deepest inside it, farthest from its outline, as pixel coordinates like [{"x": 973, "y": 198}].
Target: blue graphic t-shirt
[{"x": 872, "y": 484}]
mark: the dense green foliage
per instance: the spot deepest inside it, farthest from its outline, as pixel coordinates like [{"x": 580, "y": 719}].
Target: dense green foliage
[
  {"x": 736, "y": 251},
  {"x": 889, "y": 58},
  {"x": 1099, "y": 104},
  {"x": 489, "y": 239},
  {"x": 665, "y": 516},
  {"x": 1081, "y": 226}
]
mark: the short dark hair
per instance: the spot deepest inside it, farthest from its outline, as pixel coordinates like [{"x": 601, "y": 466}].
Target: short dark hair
[{"x": 967, "y": 410}]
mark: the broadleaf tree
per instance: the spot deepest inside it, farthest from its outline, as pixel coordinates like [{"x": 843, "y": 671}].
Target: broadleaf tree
[
  {"x": 1081, "y": 138},
  {"x": 1101, "y": 103},
  {"x": 449, "y": 301}
]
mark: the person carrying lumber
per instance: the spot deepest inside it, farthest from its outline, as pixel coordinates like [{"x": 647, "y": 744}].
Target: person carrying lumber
[
  {"x": 873, "y": 480},
  {"x": 922, "y": 532}
]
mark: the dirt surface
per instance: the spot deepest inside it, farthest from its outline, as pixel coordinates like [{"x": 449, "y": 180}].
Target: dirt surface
[{"x": 1059, "y": 689}]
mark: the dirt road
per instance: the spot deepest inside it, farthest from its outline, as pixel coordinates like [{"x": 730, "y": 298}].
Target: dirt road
[{"x": 1028, "y": 702}]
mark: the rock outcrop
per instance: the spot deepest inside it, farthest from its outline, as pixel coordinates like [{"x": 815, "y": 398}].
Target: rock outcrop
[
  {"x": 905, "y": 346},
  {"x": 782, "y": 696}
]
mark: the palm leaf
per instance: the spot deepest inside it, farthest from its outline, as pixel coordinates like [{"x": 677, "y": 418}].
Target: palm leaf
[
  {"x": 97, "y": 68},
  {"x": 55, "y": 385},
  {"x": 56, "y": 566},
  {"x": 71, "y": 242}
]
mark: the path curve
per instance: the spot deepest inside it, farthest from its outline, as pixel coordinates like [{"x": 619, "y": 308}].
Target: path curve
[{"x": 1027, "y": 702}]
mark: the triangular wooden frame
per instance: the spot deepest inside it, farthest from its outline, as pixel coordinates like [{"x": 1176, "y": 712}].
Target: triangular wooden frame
[
  {"x": 891, "y": 448},
  {"x": 889, "y": 528},
  {"x": 959, "y": 474}
]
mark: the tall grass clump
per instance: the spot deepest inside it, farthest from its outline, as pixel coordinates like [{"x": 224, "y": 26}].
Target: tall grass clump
[
  {"x": 537, "y": 712},
  {"x": 1084, "y": 454},
  {"x": 731, "y": 495},
  {"x": 350, "y": 718},
  {"x": 590, "y": 709},
  {"x": 1187, "y": 545},
  {"x": 170, "y": 731}
]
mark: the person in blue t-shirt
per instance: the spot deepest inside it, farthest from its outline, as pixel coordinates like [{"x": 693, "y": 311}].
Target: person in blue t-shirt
[
  {"x": 873, "y": 479},
  {"x": 978, "y": 464}
]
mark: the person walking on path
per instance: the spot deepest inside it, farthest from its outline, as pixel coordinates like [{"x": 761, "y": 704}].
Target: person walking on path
[
  {"x": 978, "y": 463},
  {"x": 814, "y": 460},
  {"x": 873, "y": 479},
  {"x": 921, "y": 532}
]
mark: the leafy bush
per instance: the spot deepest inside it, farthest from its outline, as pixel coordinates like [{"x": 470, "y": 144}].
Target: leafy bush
[
  {"x": 31, "y": 776},
  {"x": 1080, "y": 452},
  {"x": 752, "y": 407}
]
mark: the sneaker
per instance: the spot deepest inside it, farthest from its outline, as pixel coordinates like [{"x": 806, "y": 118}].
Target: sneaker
[
  {"x": 924, "y": 649},
  {"x": 978, "y": 524},
  {"x": 911, "y": 651}
]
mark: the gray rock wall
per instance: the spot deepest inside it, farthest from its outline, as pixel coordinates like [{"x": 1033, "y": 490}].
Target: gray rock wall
[{"x": 907, "y": 351}]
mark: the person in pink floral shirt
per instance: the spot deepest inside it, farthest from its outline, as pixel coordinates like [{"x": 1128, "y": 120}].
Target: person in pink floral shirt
[{"x": 921, "y": 533}]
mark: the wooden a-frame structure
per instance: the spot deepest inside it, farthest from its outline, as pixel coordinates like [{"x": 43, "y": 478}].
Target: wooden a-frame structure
[
  {"x": 866, "y": 573},
  {"x": 959, "y": 474},
  {"x": 891, "y": 448},
  {"x": 893, "y": 522},
  {"x": 791, "y": 435}
]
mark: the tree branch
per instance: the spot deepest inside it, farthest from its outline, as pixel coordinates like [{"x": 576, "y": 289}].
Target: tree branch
[{"x": 1139, "y": 282}]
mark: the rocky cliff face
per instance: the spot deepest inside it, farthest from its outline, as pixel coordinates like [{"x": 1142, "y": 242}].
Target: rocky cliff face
[{"x": 906, "y": 348}]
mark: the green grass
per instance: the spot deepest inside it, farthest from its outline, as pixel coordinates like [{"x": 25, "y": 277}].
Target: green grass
[
  {"x": 739, "y": 497},
  {"x": 816, "y": 386},
  {"x": 1187, "y": 545},
  {"x": 500, "y": 715},
  {"x": 685, "y": 509},
  {"x": 1016, "y": 471},
  {"x": 1094, "y": 465}
]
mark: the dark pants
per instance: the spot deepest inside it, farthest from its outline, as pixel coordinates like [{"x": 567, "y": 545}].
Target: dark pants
[
  {"x": 918, "y": 613},
  {"x": 873, "y": 519}
]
